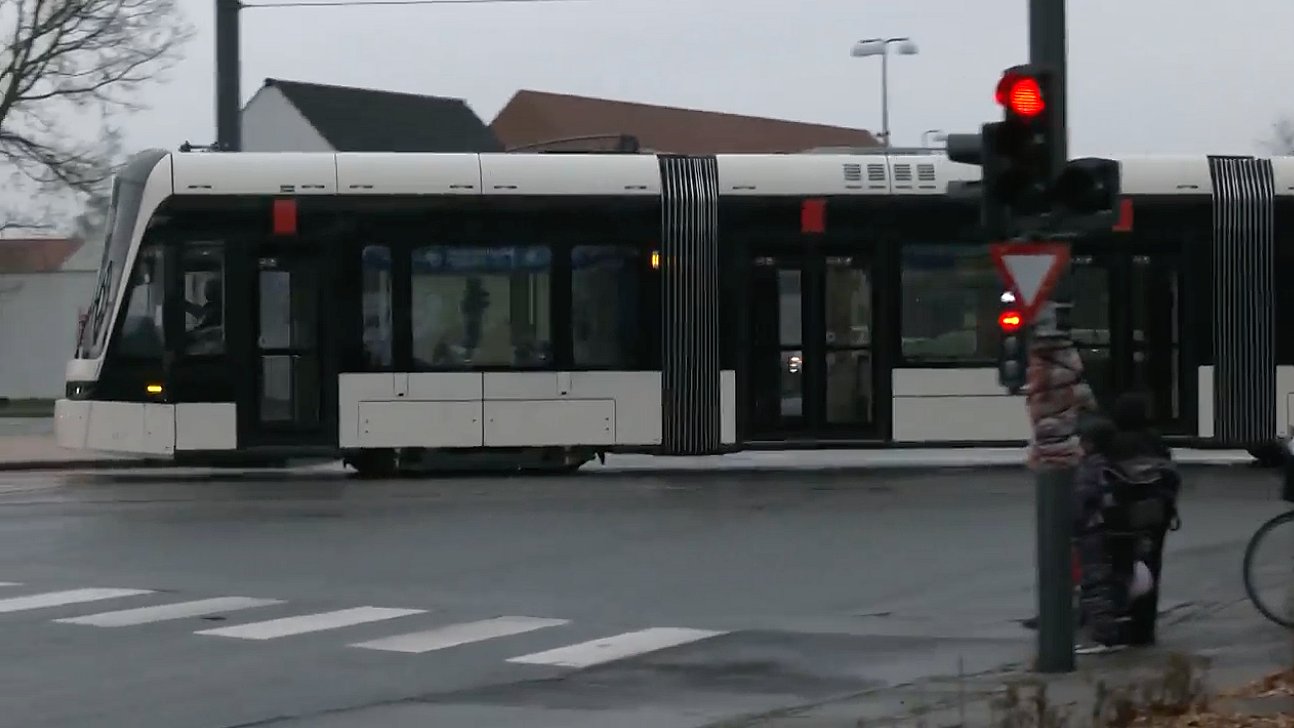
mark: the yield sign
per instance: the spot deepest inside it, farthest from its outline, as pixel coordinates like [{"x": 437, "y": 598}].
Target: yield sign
[{"x": 1030, "y": 271}]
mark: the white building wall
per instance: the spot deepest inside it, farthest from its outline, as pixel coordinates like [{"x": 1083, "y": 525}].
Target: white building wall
[
  {"x": 272, "y": 124},
  {"x": 38, "y": 322}
]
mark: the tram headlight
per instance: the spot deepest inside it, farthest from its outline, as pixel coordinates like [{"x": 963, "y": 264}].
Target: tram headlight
[{"x": 153, "y": 389}]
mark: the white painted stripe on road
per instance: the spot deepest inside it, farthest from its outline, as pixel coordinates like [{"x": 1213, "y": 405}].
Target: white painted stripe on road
[
  {"x": 164, "y": 612},
  {"x": 10, "y": 583},
  {"x": 59, "y": 598},
  {"x": 618, "y": 647},
  {"x": 459, "y": 634},
  {"x": 309, "y": 623}
]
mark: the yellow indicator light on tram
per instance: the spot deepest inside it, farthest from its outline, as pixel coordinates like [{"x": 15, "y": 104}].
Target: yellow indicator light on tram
[
  {"x": 153, "y": 388},
  {"x": 655, "y": 260}
]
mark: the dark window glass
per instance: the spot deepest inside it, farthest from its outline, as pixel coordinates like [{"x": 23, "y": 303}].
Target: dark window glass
[
  {"x": 203, "y": 267},
  {"x": 951, "y": 298},
  {"x": 481, "y": 307},
  {"x": 141, "y": 326},
  {"x": 376, "y": 272},
  {"x": 604, "y": 306},
  {"x": 123, "y": 213}
]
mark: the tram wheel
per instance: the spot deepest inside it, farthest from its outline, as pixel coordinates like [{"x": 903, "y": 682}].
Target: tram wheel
[
  {"x": 1271, "y": 455},
  {"x": 373, "y": 465}
]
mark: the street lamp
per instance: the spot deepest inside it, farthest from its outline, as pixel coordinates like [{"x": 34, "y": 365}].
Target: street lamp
[{"x": 881, "y": 47}]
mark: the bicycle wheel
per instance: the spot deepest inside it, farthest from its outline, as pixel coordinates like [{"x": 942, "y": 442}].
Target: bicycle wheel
[{"x": 1269, "y": 569}]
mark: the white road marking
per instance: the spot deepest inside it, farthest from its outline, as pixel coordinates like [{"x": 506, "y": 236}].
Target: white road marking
[
  {"x": 459, "y": 634},
  {"x": 164, "y": 612},
  {"x": 309, "y": 623},
  {"x": 75, "y": 596},
  {"x": 10, "y": 583},
  {"x": 618, "y": 647}
]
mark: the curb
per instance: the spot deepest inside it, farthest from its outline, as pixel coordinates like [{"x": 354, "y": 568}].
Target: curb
[
  {"x": 883, "y": 469},
  {"x": 97, "y": 464},
  {"x": 755, "y": 471}
]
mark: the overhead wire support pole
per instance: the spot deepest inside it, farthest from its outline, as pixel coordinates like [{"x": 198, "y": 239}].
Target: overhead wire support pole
[
  {"x": 229, "y": 132},
  {"x": 1056, "y": 392}
]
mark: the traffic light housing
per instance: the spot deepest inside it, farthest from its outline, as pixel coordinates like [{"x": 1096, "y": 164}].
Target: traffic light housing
[
  {"x": 1020, "y": 150},
  {"x": 1013, "y": 353},
  {"x": 1017, "y": 154},
  {"x": 1088, "y": 187}
]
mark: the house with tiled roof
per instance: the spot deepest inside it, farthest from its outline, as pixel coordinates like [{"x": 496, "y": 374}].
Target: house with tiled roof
[
  {"x": 539, "y": 120},
  {"x": 36, "y": 255},
  {"x": 294, "y": 116}
]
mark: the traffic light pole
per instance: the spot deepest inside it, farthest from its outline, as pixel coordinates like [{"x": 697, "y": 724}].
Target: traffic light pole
[
  {"x": 1054, "y": 390},
  {"x": 228, "y": 117}
]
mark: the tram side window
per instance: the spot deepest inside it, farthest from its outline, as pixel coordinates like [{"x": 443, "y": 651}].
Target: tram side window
[
  {"x": 481, "y": 307},
  {"x": 378, "y": 336},
  {"x": 605, "y": 306},
  {"x": 951, "y": 295},
  {"x": 204, "y": 300},
  {"x": 141, "y": 331}
]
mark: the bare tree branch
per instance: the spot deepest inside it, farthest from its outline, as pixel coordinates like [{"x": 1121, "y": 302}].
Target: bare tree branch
[
  {"x": 1282, "y": 138},
  {"x": 68, "y": 59}
]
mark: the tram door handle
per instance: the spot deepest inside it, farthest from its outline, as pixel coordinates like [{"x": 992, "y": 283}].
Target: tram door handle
[{"x": 563, "y": 383}]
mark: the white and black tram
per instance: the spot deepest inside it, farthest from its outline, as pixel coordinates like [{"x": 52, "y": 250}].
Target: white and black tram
[{"x": 390, "y": 306}]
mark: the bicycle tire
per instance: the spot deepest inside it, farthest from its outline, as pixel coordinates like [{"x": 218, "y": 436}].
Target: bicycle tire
[{"x": 1250, "y": 550}]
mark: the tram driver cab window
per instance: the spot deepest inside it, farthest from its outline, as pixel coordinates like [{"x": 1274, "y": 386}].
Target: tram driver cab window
[
  {"x": 142, "y": 325},
  {"x": 204, "y": 300}
]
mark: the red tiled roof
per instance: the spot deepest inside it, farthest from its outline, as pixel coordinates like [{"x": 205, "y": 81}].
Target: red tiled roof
[
  {"x": 531, "y": 117},
  {"x": 36, "y": 255}
]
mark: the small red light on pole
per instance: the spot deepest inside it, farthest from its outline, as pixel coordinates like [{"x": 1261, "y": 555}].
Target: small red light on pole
[
  {"x": 1021, "y": 95},
  {"x": 1010, "y": 321}
]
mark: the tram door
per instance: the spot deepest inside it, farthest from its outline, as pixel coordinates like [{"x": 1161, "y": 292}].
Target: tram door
[
  {"x": 810, "y": 371},
  {"x": 1128, "y": 326},
  {"x": 291, "y": 400}
]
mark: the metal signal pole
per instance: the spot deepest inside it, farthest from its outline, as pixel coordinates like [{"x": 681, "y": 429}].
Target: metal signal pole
[
  {"x": 1056, "y": 393},
  {"x": 229, "y": 131}
]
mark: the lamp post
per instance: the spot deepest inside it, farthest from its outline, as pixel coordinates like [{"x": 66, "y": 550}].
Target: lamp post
[{"x": 881, "y": 47}]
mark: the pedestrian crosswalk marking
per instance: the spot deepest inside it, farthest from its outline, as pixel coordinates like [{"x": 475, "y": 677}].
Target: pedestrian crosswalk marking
[
  {"x": 302, "y": 624},
  {"x": 618, "y": 647},
  {"x": 581, "y": 655},
  {"x": 59, "y": 598},
  {"x": 459, "y": 634},
  {"x": 165, "y": 612}
]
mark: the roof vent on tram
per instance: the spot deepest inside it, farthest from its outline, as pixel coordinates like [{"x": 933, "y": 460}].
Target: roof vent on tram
[
  {"x": 853, "y": 172},
  {"x": 875, "y": 173}
]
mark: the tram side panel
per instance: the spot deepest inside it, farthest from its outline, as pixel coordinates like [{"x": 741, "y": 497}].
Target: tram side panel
[{"x": 565, "y": 205}]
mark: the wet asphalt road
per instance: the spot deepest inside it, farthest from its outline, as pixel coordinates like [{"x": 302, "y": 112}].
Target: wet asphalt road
[{"x": 716, "y": 597}]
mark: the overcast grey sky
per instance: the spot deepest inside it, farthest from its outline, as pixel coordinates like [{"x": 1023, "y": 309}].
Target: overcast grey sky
[{"x": 1146, "y": 76}]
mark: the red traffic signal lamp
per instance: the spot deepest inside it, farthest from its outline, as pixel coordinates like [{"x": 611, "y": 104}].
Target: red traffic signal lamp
[
  {"x": 1013, "y": 356},
  {"x": 1021, "y": 94}
]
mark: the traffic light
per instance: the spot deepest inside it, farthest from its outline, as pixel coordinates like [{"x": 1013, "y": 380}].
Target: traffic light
[
  {"x": 1013, "y": 357},
  {"x": 1016, "y": 154},
  {"x": 1019, "y": 150},
  {"x": 1087, "y": 187}
]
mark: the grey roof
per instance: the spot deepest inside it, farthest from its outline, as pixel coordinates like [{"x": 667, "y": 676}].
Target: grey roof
[{"x": 366, "y": 120}]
